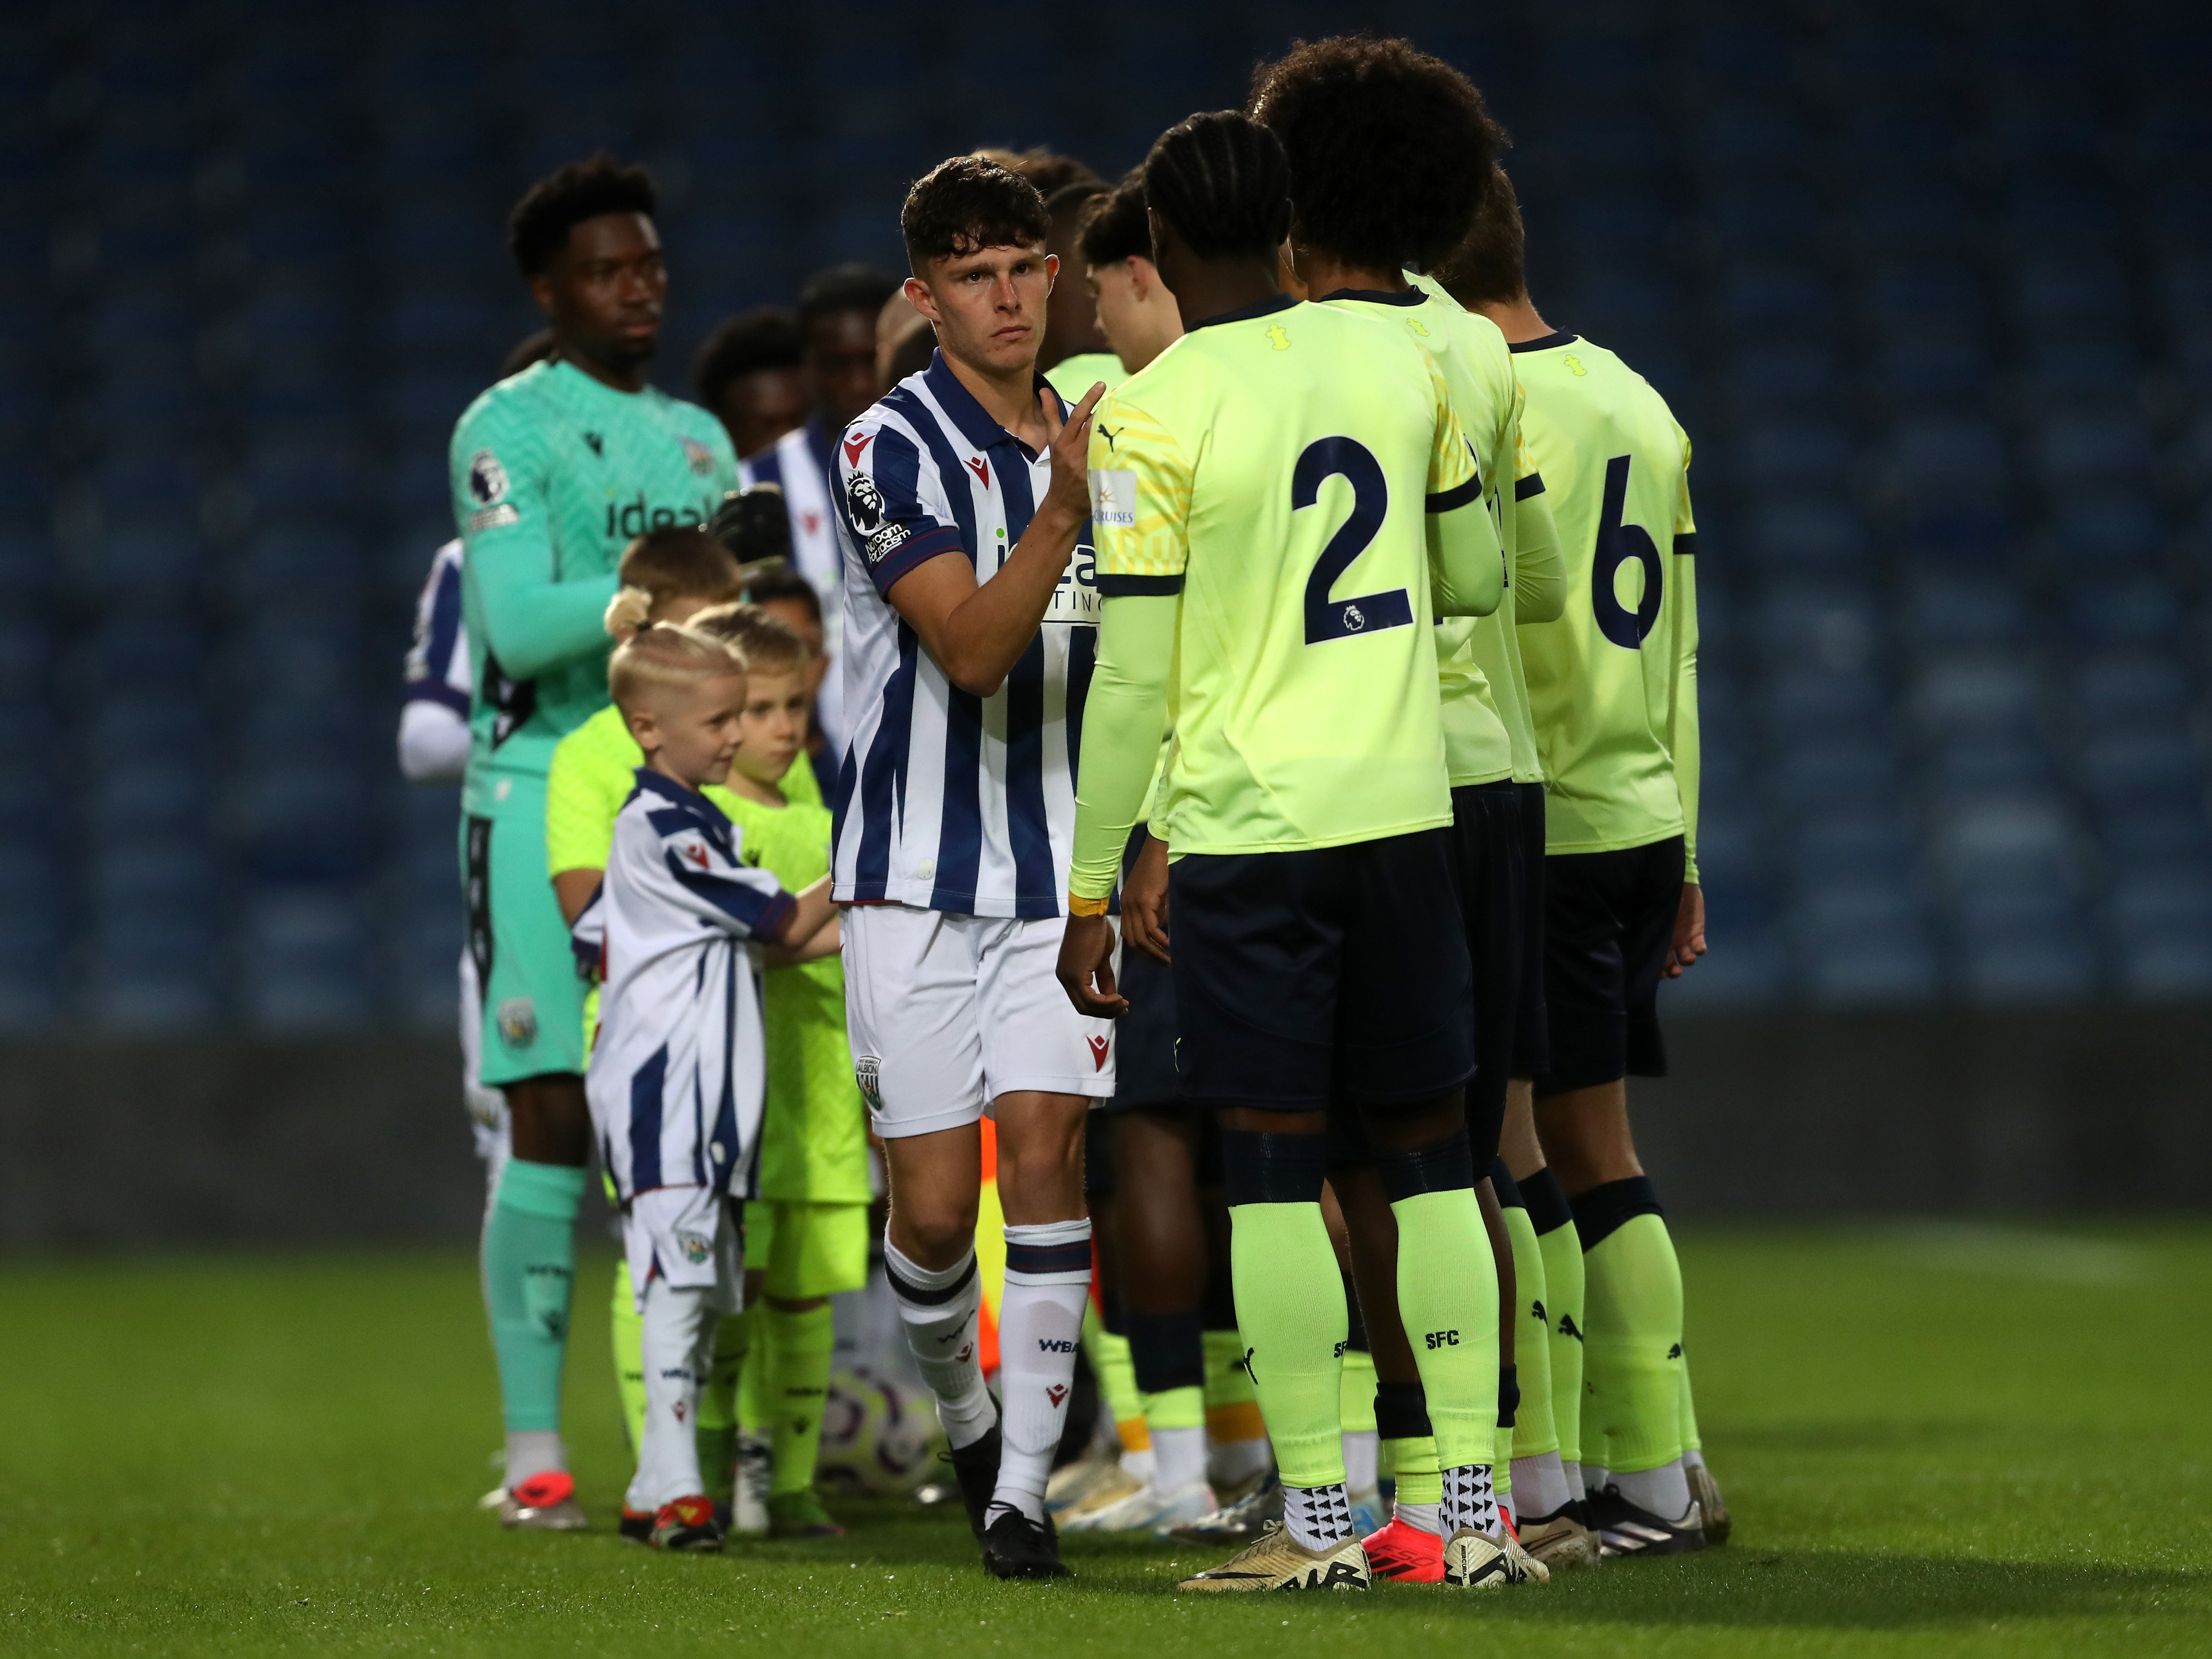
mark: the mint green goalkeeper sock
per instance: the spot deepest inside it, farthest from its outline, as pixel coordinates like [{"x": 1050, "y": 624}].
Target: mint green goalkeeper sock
[
  {"x": 1291, "y": 1309},
  {"x": 529, "y": 1278},
  {"x": 1633, "y": 1360},
  {"x": 1448, "y": 1303}
]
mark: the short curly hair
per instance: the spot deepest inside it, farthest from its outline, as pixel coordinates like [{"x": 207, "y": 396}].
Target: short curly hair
[
  {"x": 1115, "y": 226},
  {"x": 1389, "y": 147},
  {"x": 1491, "y": 264},
  {"x": 965, "y": 205},
  {"x": 538, "y": 228}
]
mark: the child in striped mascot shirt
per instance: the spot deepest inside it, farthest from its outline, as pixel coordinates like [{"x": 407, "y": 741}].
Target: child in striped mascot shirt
[{"x": 678, "y": 1073}]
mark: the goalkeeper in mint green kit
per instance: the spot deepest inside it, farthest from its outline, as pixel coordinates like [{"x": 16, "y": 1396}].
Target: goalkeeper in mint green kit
[{"x": 553, "y": 471}]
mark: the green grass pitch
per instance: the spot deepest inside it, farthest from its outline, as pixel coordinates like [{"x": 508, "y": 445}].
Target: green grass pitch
[{"x": 1935, "y": 1441}]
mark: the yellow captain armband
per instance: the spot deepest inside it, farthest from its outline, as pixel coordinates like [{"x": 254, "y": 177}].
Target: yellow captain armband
[{"x": 1085, "y": 907}]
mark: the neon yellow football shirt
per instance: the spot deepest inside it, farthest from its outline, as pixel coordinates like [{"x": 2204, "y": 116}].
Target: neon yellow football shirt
[
  {"x": 1275, "y": 468},
  {"x": 1614, "y": 683}
]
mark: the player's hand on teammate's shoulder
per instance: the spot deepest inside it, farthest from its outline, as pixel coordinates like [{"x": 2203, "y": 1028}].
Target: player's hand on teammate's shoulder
[{"x": 1068, "y": 443}]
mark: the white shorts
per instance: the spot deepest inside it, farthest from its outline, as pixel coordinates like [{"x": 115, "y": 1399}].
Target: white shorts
[
  {"x": 691, "y": 1237},
  {"x": 948, "y": 1012}
]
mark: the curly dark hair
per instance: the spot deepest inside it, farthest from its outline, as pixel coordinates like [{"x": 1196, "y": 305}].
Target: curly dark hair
[
  {"x": 1222, "y": 181},
  {"x": 1389, "y": 147},
  {"x": 965, "y": 205},
  {"x": 1115, "y": 226},
  {"x": 538, "y": 229},
  {"x": 767, "y": 336},
  {"x": 1491, "y": 264},
  {"x": 1049, "y": 170}
]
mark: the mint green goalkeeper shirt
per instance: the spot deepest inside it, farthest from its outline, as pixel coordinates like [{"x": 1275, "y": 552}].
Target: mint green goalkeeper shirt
[{"x": 553, "y": 474}]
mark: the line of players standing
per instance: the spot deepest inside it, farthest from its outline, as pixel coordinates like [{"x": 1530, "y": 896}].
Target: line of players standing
[{"x": 783, "y": 389}]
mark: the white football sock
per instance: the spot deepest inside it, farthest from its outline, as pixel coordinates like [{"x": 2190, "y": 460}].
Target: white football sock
[
  {"x": 1574, "y": 1473},
  {"x": 1663, "y": 1492},
  {"x": 677, "y": 1347},
  {"x": 1039, "y": 1328},
  {"x": 1363, "y": 1454},
  {"x": 1140, "y": 1465},
  {"x": 938, "y": 1308},
  {"x": 1232, "y": 1463},
  {"x": 1319, "y": 1517},
  {"x": 1595, "y": 1478},
  {"x": 1539, "y": 1485},
  {"x": 1179, "y": 1458},
  {"x": 1692, "y": 1458},
  {"x": 1429, "y": 1517},
  {"x": 533, "y": 1451},
  {"x": 1469, "y": 1500}
]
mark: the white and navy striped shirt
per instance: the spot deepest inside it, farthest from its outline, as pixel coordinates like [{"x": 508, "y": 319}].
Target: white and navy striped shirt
[
  {"x": 678, "y": 1071},
  {"x": 803, "y": 463},
  {"x": 946, "y": 801}
]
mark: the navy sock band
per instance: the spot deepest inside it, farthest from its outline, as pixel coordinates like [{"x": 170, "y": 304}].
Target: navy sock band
[
  {"x": 1447, "y": 1166},
  {"x": 1602, "y": 1211},
  {"x": 1267, "y": 1167},
  {"x": 1507, "y": 1189},
  {"x": 1545, "y": 1204},
  {"x": 1167, "y": 1351},
  {"x": 1401, "y": 1411}
]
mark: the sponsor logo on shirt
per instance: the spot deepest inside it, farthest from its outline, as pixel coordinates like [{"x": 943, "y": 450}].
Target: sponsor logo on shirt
[
  {"x": 866, "y": 503},
  {"x": 487, "y": 478},
  {"x": 1114, "y": 498},
  {"x": 491, "y": 518},
  {"x": 854, "y": 445}
]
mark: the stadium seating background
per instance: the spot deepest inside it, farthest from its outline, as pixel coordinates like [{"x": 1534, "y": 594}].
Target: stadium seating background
[{"x": 1930, "y": 285}]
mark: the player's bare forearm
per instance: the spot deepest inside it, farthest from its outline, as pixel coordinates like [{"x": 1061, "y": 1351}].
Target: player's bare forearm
[
  {"x": 827, "y": 941},
  {"x": 1466, "y": 567},
  {"x": 811, "y": 911},
  {"x": 977, "y": 632},
  {"x": 572, "y": 891}
]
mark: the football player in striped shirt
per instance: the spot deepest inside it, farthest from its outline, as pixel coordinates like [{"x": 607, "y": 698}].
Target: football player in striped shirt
[
  {"x": 1286, "y": 502},
  {"x": 1613, "y": 688},
  {"x": 1404, "y": 195},
  {"x": 969, "y": 637}
]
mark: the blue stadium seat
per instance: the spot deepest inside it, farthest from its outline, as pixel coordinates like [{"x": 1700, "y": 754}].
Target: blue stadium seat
[
  {"x": 1982, "y": 765},
  {"x": 1805, "y": 531},
  {"x": 1945, "y": 609},
  {"x": 306, "y": 961},
  {"x": 1959, "y": 694}
]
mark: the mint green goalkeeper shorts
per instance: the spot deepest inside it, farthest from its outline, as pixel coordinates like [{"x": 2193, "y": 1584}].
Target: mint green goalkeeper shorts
[{"x": 534, "y": 996}]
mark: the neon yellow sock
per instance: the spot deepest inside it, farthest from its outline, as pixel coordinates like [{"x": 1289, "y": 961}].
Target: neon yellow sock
[
  {"x": 1357, "y": 1394},
  {"x": 752, "y": 1385},
  {"x": 1448, "y": 1300},
  {"x": 1536, "y": 1431},
  {"x": 1290, "y": 1307},
  {"x": 717, "y": 1430},
  {"x": 1117, "y": 1379},
  {"x": 1633, "y": 1359},
  {"x": 1420, "y": 1479},
  {"x": 1691, "y": 1441},
  {"x": 1232, "y": 1410},
  {"x": 627, "y": 1329},
  {"x": 1562, "y": 1250},
  {"x": 1176, "y": 1408},
  {"x": 800, "y": 1346}
]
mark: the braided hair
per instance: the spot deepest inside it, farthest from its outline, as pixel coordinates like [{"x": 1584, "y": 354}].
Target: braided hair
[{"x": 1222, "y": 181}]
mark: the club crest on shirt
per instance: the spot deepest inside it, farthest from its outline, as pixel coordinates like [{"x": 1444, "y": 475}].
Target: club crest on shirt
[
  {"x": 865, "y": 502},
  {"x": 701, "y": 457},
  {"x": 487, "y": 478},
  {"x": 518, "y": 1022},
  {"x": 868, "y": 1072}
]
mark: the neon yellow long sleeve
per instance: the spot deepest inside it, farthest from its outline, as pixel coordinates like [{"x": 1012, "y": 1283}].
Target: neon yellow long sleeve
[{"x": 1124, "y": 715}]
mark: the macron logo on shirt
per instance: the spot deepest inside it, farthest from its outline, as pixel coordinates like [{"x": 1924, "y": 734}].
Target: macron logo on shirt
[
  {"x": 697, "y": 854},
  {"x": 854, "y": 445},
  {"x": 982, "y": 469}
]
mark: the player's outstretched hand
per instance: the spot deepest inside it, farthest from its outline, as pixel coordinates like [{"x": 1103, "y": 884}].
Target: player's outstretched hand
[
  {"x": 1068, "y": 443},
  {"x": 1086, "y": 968},
  {"x": 1145, "y": 901},
  {"x": 1689, "y": 941}
]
